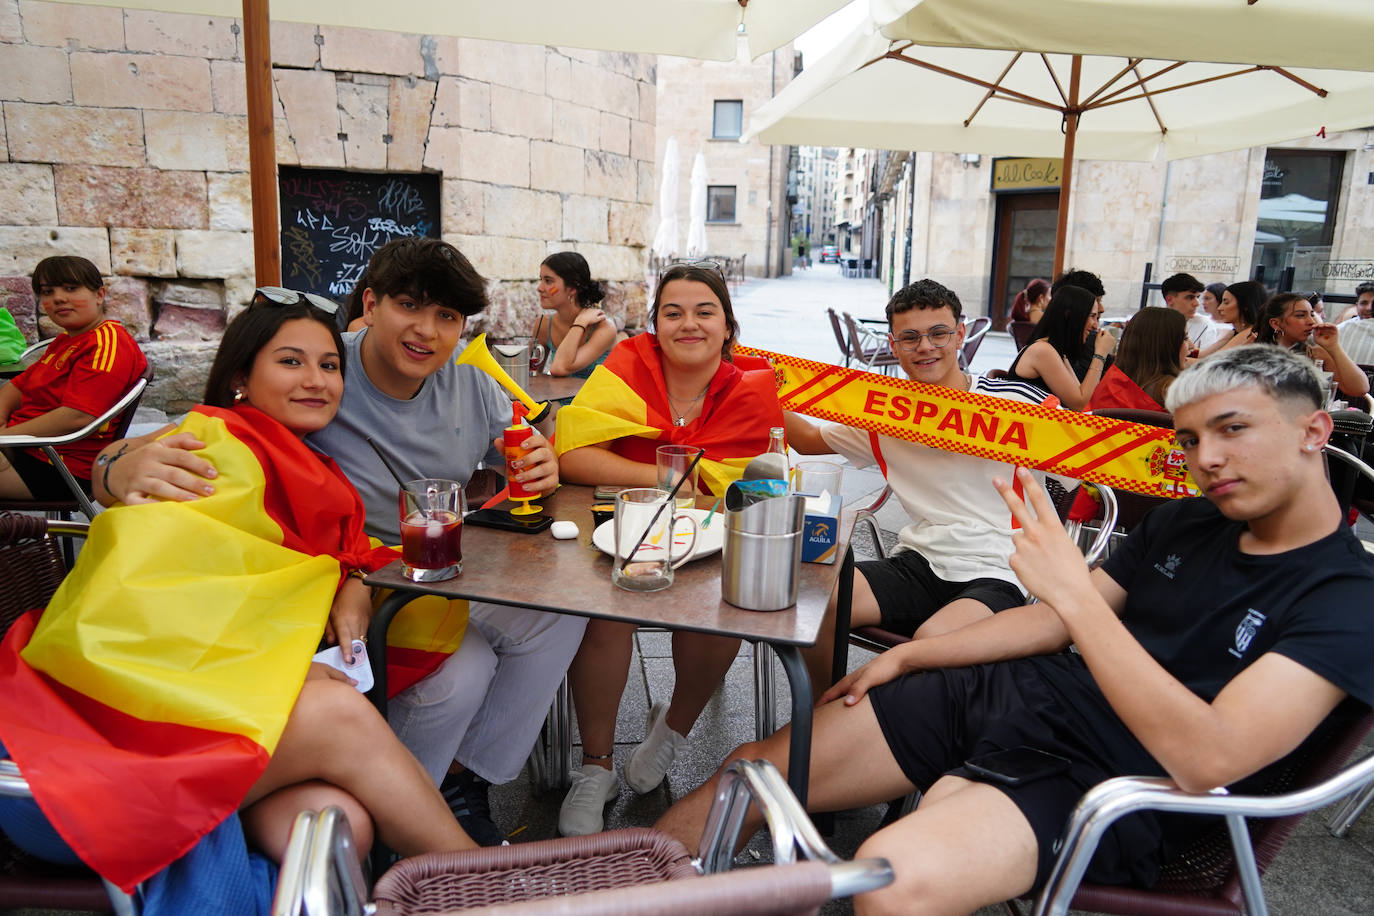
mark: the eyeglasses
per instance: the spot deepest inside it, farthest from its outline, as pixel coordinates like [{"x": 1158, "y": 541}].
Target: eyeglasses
[
  {"x": 910, "y": 340},
  {"x": 280, "y": 295}
]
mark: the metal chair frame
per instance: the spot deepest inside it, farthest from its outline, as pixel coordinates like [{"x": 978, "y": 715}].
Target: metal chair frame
[
  {"x": 320, "y": 874},
  {"x": 977, "y": 329},
  {"x": 123, "y": 408},
  {"x": 868, "y": 348}
]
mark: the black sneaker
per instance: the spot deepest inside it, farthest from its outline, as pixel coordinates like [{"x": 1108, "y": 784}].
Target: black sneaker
[{"x": 466, "y": 794}]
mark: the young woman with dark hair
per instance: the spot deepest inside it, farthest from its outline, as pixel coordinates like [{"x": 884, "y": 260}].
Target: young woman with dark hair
[
  {"x": 1153, "y": 347},
  {"x": 1288, "y": 321},
  {"x": 578, "y": 335},
  {"x": 1060, "y": 339},
  {"x": 175, "y": 663},
  {"x": 1240, "y": 307}
]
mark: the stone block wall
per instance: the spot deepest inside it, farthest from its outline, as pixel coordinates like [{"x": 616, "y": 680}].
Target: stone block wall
[{"x": 125, "y": 142}]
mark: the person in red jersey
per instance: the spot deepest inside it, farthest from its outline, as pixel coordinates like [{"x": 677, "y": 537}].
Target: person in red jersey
[{"x": 85, "y": 370}]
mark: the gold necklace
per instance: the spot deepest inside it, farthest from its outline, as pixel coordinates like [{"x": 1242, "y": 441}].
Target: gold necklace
[{"x": 682, "y": 414}]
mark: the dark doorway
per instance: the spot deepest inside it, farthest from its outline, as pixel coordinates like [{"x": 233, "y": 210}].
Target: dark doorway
[{"x": 1024, "y": 248}]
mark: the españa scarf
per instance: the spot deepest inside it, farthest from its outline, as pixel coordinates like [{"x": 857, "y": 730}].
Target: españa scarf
[
  {"x": 146, "y": 700},
  {"x": 625, "y": 402}
]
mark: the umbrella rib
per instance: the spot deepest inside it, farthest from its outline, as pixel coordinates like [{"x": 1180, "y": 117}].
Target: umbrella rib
[
  {"x": 1054, "y": 76},
  {"x": 1151, "y": 102},
  {"x": 1108, "y": 84},
  {"x": 1211, "y": 79},
  {"x": 1013, "y": 95},
  {"x": 992, "y": 92},
  {"x": 1138, "y": 84},
  {"x": 1317, "y": 90}
]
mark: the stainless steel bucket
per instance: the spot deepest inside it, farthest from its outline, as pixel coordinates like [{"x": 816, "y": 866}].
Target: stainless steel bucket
[
  {"x": 514, "y": 357},
  {"x": 761, "y": 564}
]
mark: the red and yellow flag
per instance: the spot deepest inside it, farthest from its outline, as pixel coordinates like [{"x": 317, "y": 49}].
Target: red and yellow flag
[
  {"x": 146, "y": 700},
  {"x": 625, "y": 402},
  {"x": 1127, "y": 456}
]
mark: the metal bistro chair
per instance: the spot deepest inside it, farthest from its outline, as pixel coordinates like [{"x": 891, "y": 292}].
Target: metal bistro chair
[
  {"x": 869, "y": 348},
  {"x": 1219, "y": 872},
  {"x": 31, "y": 568},
  {"x": 1020, "y": 333},
  {"x": 973, "y": 339},
  {"x": 620, "y": 871},
  {"x": 121, "y": 414},
  {"x": 846, "y": 352}
]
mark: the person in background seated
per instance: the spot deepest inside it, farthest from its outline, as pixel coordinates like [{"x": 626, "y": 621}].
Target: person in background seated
[
  {"x": 1357, "y": 333},
  {"x": 1181, "y": 294},
  {"x": 1363, "y": 308},
  {"x": 1209, "y": 646},
  {"x": 164, "y": 688},
  {"x": 1153, "y": 347},
  {"x": 578, "y": 335},
  {"x": 950, "y": 565},
  {"x": 83, "y": 373},
  {"x": 1288, "y": 322},
  {"x": 680, "y": 384},
  {"x": 1068, "y": 330},
  {"x": 1241, "y": 304},
  {"x": 1029, "y": 304},
  {"x": 1211, "y": 304}
]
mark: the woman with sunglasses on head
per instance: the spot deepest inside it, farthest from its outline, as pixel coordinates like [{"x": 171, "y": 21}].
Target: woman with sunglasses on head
[
  {"x": 1067, "y": 330},
  {"x": 578, "y": 335},
  {"x": 1288, "y": 321},
  {"x": 175, "y": 661},
  {"x": 680, "y": 384}
]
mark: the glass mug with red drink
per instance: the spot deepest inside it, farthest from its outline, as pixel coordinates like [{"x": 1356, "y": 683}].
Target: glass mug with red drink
[{"x": 432, "y": 529}]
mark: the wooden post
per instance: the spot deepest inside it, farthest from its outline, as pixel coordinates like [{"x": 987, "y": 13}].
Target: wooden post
[
  {"x": 262, "y": 143},
  {"x": 1061, "y": 231}
]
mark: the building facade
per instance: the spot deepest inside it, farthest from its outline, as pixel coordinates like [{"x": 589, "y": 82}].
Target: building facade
[
  {"x": 705, "y": 106},
  {"x": 985, "y": 226},
  {"x": 125, "y": 142}
]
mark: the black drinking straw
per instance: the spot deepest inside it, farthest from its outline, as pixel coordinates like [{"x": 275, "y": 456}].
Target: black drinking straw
[
  {"x": 672, "y": 495},
  {"x": 399, "y": 481}
]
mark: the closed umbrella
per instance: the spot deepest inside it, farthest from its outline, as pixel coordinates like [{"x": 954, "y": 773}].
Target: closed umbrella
[
  {"x": 696, "y": 229},
  {"x": 874, "y": 91},
  {"x": 665, "y": 239}
]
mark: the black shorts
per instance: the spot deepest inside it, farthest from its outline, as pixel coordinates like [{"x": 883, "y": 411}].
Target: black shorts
[
  {"x": 909, "y": 592},
  {"x": 43, "y": 480},
  {"x": 935, "y": 720}
]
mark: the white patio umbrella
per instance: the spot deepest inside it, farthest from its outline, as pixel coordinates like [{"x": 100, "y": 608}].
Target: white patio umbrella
[
  {"x": 665, "y": 239},
  {"x": 706, "y": 29},
  {"x": 696, "y": 229},
  {"x": 895, "y": 94}
]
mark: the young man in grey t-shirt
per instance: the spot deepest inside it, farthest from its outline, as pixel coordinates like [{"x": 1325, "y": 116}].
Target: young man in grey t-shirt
[{"x": 474, "y": 719}]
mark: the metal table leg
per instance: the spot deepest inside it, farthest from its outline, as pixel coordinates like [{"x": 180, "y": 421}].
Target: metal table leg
[{"x": 799, "y": 752}]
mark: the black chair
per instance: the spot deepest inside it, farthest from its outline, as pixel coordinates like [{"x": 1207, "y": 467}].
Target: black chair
[
  {"x": 838, "y": 329},
  {"x": 1020, "y": 332}
]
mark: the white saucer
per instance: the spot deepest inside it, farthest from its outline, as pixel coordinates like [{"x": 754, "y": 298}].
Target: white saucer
[{"x": 710, "y": 540}]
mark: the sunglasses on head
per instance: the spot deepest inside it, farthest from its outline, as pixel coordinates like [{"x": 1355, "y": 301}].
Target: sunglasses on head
[
  {"x": 703, "y": 264},
  {"x": 280, "y": 295}
]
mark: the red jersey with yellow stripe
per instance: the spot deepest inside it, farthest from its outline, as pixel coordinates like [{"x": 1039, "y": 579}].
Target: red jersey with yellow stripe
[{"x": 88, "y": 372}]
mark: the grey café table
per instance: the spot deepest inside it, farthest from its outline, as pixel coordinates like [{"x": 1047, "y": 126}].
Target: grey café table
[{"x": 573, "y": 577}]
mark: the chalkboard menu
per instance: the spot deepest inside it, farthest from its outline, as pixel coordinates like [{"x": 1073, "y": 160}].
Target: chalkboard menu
[{"x": 333, "y": 221}]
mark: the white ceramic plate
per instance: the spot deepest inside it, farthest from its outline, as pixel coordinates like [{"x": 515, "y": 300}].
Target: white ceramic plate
[{"x": 709, "y": 541}]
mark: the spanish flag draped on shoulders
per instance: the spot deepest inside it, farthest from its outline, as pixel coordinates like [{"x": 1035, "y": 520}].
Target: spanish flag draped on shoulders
[
  {"x": 625, "y": 403},
  {"x": 147, "y": 699}
]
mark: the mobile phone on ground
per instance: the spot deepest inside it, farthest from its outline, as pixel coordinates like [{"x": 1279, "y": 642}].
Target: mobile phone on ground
[
  {"x": 1017, "y": 766},
  {"x": 501, "y": 518},
  {"x": 606, "y": 491}
]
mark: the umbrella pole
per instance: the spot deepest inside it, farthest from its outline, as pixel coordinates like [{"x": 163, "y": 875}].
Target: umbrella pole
[
  {"x": 1071, "y": 112},
  {"x": 262, "y": 143}
]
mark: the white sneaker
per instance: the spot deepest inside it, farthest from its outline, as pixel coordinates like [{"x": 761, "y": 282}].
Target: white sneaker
[
  {"x": 584, "y": 807},
  {"x": 649, "y": 761}
]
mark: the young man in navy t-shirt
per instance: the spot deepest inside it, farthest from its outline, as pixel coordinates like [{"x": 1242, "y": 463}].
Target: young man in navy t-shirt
[{"x": 1207, "y": 648}]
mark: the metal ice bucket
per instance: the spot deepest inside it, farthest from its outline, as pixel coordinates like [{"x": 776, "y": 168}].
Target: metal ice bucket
[{"x": 761, "y": 565}]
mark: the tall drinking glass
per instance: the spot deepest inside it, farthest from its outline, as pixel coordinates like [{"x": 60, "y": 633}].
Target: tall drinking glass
[
  {"x": 432, "y": 529},
  {"x": 673, "y": 462},
  {"x": 644, "y": 536}
]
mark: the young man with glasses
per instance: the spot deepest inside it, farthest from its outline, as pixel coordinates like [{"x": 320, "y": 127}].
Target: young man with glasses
[
  {"x": 951, "y": 566},
  {"x": 474, "y": 719}
]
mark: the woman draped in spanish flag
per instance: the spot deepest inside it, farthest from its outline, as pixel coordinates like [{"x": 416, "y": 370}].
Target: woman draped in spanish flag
[
  {"x": 678, "y": 385},
  {"x": 170, "y": 684}
]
